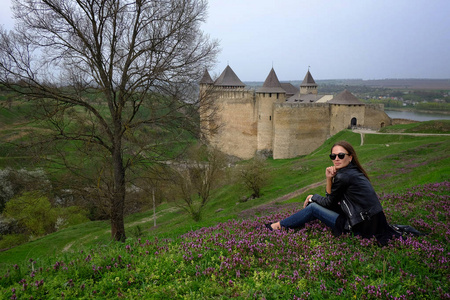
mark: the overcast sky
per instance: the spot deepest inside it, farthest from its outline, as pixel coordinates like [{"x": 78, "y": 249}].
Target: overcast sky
[
  {"x": 368, "y": 39},
  {"x": 338, "y": 39}
]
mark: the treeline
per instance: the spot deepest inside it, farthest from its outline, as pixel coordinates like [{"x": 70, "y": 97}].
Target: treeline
[
  {"x": 428, "y": 106},
  {"x": 433, "y": 100}
]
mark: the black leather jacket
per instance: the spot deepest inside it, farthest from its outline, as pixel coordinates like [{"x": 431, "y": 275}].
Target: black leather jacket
[{"x": 354, "y": 193}]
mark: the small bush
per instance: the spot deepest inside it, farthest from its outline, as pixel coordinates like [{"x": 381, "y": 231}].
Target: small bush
[
  {"x": 254, "y": 176},
  {"x": 11, "y": 240},
  {"x": 69, "y": 216},
  {"x": 34, "y": 212}
]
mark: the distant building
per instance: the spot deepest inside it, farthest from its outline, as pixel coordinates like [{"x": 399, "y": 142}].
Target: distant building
[{"x": 278, "y": 119}]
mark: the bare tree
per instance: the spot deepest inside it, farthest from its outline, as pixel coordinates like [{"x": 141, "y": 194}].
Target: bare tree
[
  {"x": 113, "y": 79},
  {"x": 194, "y": 180},
  {"x": 253, "y": 175}
]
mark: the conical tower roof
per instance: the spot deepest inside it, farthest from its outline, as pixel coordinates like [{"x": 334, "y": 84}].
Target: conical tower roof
[
  {"x": 272, "y": 84},
  {"x": 309, "y": 80},
  {"x": 206, "y": 79},
  {"x": 346, "y": 98},
  {"x": 229, "y": 78}
]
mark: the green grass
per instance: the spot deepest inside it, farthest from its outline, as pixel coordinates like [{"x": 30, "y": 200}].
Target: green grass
[
  {"x": 240, "y": 259},
  {"x": 441, "y": 126},
  {"x": 394, "y": 162}
]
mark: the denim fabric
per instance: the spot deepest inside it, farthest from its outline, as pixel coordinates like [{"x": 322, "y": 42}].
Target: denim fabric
[{"x": 312, "y": 212}]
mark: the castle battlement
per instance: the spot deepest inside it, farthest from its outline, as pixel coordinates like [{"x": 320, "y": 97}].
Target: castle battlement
[{"x": 301, "y": 105}]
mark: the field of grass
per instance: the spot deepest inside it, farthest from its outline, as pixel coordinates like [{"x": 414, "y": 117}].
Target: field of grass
[
  {"x": 180, "y": 258},
  {"x": 229, "y": 255}
]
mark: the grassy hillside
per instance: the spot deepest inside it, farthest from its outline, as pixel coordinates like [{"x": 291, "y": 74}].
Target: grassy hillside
[
  {"x": 243, "y": 260},
  {"x": 181, "y": 257},
  {"x": 394, "y": 162},
  {"x": 439, "y": 127}
]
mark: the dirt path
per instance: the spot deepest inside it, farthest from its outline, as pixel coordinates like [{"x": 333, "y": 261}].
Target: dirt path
[
  {"x": 362, "y": 132},
  {"x": 271, "y": 207},
  {"x": 274, "y": 205},
  {"x": 149, "y": 219}
]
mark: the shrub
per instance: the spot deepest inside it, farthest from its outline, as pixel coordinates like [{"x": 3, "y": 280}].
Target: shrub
[
  {"x": 14, "y": 182},
  {"x": 193, "y": 180},
  {"x": 12, "y": 240},
  {"x": 34, "y": 212},
  {"x": 69, "y": 216},
  {"x": 254, "y": 176}
]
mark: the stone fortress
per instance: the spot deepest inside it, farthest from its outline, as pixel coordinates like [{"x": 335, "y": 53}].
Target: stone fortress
[{"x": 278, "y": 119}]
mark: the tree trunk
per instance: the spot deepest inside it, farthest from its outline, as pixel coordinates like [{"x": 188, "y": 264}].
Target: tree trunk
[
  {"x": 118, "y": 196},
  {"x": 154, "y": 208}
]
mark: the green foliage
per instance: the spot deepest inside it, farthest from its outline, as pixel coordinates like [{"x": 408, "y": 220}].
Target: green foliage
[
  {"x": 433, "y": 106},
  {"x": 12, "y": 240},
  {"x": 34, "y": 212},
  {"x": 386, "y": 102},
  {"x": 70, "y": 216},
  {"x": 15, "y": 182}
]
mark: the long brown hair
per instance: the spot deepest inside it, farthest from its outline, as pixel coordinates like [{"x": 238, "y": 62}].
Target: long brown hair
[{"x": 351, "y": 151}]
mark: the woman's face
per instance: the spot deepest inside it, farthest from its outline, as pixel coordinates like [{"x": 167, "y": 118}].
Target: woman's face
[{"x": 340, "y": 163}]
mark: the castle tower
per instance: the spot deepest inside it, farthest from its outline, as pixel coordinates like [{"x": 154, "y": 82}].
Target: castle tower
[
  {"x": 207, "y": 110},
  {"x": 346, "y": 111},
  {"x": 206, "y": 79},
  {"x": 308, "y": 85},
  {"x": 234, "y": 117},
  {"x": 271, "y": 92},
  {"x": 229, "y": 80},
  {"x": 206, "y": 83}
]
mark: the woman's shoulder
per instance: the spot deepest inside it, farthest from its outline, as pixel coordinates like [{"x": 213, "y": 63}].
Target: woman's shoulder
[
  {"x": 342, "y": 176},
  {"x": 348, "y": 172}
]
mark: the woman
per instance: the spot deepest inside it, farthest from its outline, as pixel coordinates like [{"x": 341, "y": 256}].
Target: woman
[{"x": 350, "y": 205}]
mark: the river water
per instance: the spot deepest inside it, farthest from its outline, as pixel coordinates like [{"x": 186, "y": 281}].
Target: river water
[{"x": 416, "y": 116}]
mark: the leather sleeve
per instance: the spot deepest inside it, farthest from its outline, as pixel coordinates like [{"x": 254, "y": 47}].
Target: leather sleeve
[{"x": 338, "y": 188}]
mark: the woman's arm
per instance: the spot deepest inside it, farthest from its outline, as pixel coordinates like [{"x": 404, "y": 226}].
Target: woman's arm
[{"x": 330, "y": 172}]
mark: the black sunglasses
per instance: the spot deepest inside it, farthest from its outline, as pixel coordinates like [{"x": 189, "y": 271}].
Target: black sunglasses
[{"x": 340, "y": 155}]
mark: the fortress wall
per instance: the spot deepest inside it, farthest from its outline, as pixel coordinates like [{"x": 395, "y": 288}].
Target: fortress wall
[
  {"x": 264, "y": 102},
  {"x": 299, "y": 128},
  {"x": 248, "y": 122},
  {"x": 237, "y": 131},
  {"x": 375, "y": 117},
  {"x": 342, "y": 115}
]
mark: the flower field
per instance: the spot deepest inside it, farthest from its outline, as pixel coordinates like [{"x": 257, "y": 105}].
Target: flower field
[{"x": 241, "y": 259}]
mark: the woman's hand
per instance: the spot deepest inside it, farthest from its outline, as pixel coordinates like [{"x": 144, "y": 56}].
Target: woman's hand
[
  {"x": 305, "y": 204},
  {"x": 330, "y": 172}
]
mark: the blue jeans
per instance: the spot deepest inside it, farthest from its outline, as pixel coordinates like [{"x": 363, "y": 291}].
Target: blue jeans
[{"x": 312, "y": 212}]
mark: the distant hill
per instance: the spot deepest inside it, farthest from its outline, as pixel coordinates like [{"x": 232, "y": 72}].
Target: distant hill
[
  {"x": 434, "y": 84},
  {"x": 423, "y": 84}
]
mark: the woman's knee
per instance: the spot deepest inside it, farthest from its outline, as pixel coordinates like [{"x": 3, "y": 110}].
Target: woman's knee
[{"x": 314, "y": 206}]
